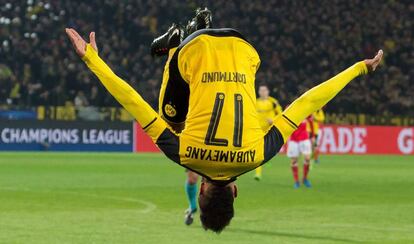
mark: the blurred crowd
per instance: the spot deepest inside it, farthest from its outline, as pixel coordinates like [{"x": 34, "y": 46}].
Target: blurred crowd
[{"x": 301, "y": 43}]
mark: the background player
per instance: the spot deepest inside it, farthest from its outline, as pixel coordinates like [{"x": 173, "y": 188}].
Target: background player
[
  {"x": 318, "y": 117},
  {"x": 300, "y": 144},
  {"x": 267, "y": 108}
]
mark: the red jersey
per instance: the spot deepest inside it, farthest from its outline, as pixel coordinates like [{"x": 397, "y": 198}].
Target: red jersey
[{"x": 300, "y": 134}]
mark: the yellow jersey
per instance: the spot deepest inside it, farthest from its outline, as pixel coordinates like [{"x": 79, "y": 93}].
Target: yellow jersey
[
  {"x": 222, "y": 125},
  {"x": 222, "y": 138},
  {"x": 318, "y": 117},
  {"x": 267, "y": 109}
]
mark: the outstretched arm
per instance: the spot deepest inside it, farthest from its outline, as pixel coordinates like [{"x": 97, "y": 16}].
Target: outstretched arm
[
  {"x": 120, "y": 89},
  {"x": 320, "y": 95}
]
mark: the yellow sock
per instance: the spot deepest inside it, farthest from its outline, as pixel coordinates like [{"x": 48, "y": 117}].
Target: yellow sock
[
  {"x": 316, "y": 98},
  {"x": 259, "y": 171}
]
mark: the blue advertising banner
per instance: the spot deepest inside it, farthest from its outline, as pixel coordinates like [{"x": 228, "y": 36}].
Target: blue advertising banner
[{"x": 37, "y": 135}]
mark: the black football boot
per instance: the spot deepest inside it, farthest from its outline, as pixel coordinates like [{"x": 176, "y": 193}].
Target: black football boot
[
  {"x": 202, "y": 20},
  {"x": 172, "y": 38}
]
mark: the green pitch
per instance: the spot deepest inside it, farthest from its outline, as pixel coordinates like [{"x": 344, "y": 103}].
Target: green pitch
[{"x": 127, "y": 198}]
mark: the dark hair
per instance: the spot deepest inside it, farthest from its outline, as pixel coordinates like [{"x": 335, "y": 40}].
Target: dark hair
[
  {"x": 216, "y": 207},
  {"x": 263, "y": 84}
]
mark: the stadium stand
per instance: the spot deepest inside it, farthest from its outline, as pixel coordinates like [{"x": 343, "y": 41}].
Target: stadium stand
[{"x": 301, "y": 43}]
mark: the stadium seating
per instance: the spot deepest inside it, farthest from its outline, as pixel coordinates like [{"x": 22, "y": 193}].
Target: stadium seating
[{"x": 300, "y": 44}]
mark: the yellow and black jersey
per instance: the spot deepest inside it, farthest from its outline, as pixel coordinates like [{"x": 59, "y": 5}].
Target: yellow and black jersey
[
  {"x": 267, "y": 109},
  {"x": 318, "y": 117},
  {"x": 209, "y": 83},
  {"x": 222, "y": 137}
]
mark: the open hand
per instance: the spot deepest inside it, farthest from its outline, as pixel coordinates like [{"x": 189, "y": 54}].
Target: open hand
[
  {"x": 78, "y": 43},
  {"x": 375, "y": 61}
]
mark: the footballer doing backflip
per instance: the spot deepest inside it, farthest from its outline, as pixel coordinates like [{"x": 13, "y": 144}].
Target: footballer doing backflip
[{"x": 213, "y": 72}]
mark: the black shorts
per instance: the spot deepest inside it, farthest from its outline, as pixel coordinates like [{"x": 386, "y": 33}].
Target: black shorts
[{"x": 174, "y": 103}]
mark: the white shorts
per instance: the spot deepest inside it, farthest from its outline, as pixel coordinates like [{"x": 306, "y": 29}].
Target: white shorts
[{"x": 296, "y": 148}]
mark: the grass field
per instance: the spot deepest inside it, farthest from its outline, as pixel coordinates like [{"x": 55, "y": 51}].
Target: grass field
[{"x": 127, "y": 198}]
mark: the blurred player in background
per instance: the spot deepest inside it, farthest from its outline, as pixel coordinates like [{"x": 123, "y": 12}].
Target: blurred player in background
[
  {"x": 318, "y": 117},
  {"x": 173, "y": 99},
  {"x": 267, "y": 108},
  {"x": 300, "y": 144}
]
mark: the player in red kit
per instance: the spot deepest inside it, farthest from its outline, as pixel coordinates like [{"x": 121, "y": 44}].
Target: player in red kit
[{"x": 300, "y": 143}]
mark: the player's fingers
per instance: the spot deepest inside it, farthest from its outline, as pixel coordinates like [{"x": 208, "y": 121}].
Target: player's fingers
[
  {"x": 376, "y": 60},
  {"x": 70, "y": 35},
  {"x": 378, "y": 57},
  {"x": 74, "y": 38},
  {"x": 93, "y": 41},
  {"x": 78, "y": 43},
  {"x": 67, "y": 32},
  {"x": 380, "y": 54},
  {"x": 70, "y": 31},
  {"x": 77, "y": 36}
]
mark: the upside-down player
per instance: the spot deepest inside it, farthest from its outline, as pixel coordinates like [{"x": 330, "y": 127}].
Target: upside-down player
[
  {"x": 267, "y": 108},
  {"x": 222, "y": 138},
  {"x": 298, "y": 144}
]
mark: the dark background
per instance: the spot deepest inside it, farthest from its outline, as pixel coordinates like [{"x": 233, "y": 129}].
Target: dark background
[{"x": 301, "y": 43}]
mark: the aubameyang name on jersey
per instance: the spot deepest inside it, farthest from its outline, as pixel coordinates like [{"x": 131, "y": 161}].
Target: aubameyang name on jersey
[
  {"x": 220, "y": 155},
  {"x": 223, "y": 77}
]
